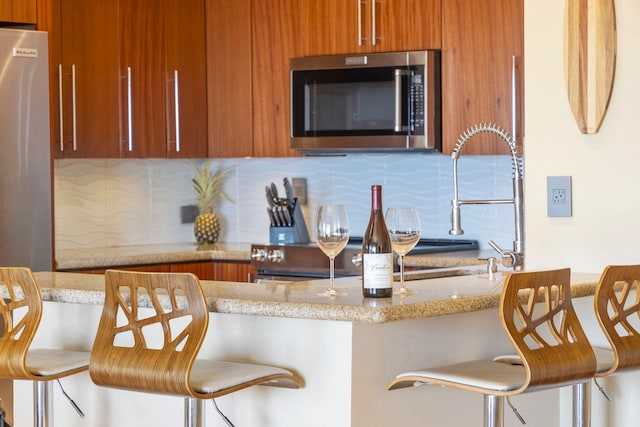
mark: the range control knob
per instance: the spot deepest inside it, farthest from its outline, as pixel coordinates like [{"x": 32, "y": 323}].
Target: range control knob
[
  {"x": 275, "y": 255},
  {"x": 258, "y": 255}
]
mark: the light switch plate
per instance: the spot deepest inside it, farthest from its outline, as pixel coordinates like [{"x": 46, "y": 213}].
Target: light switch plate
[{"x": 559, "y": 196}]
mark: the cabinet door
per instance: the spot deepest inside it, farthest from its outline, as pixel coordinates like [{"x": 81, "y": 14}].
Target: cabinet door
[
  {"x": 405, "y": 25},
  {"x": 87, "y": 124},
  {"x": 335, "y": 26},
  {"x": 186, "y": 77},
  {"x": 479, "y": 38},
  {"x": 22, "y": 11},
  {"x": 142, "y": 41},
  {"x": 229, "y": 86},
  {"x": 222, "y": 271},
  {"x": 355, "y": 26},
  {"x": 275, "y": 33}
]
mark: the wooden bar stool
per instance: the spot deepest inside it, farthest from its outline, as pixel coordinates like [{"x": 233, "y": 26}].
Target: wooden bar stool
[
  {"x": 539, "y": 319},
  {"x": 124, "y": 356},
  {"x": 20, "y": 313},
  {"x": 616, "y": 306}
]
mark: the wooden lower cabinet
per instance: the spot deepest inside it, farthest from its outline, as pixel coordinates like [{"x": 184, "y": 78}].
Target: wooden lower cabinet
[{"x": 205, "y": 270}]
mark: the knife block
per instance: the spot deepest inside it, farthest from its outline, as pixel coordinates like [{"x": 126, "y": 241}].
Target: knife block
[{"x": 297, "y": 233}]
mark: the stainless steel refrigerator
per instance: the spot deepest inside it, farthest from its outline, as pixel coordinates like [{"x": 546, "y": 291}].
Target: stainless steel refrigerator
[{"x": 26, "y": 235}]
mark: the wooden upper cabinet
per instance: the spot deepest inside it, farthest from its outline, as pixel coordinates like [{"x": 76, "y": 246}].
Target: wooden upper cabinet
[
  {"x": 20, "y": 11},
  {"x": 479, "y": 40},
  {"x": 229, "y": 74},
  {"x": 186, "y": 77},
  {"x": 249, "y": 44},
  {"x": 130, "y": 77},
  {"x": 276, "y": 39},
  {"x": 142, "y": 90},
  {"x": 357, "y": 26},
  {"x": 85, "y": 84},
  {"x": 163, "y": 48}
]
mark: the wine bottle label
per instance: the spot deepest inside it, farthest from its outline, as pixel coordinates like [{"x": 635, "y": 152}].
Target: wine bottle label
[{"x": 377, "y": 271}]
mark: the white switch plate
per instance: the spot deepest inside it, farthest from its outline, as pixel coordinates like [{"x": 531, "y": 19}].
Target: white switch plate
[{"x": 558, "y": 196}]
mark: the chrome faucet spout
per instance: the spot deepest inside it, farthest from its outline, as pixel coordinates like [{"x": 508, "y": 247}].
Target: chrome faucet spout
[{"x": 517, "y": 255}]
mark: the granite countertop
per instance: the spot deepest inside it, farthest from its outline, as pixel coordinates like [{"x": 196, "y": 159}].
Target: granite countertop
[
  {"x": 115, "y": 256},
  {"x": 451, "y": 259},
  {"x": 433, "y": 297}
]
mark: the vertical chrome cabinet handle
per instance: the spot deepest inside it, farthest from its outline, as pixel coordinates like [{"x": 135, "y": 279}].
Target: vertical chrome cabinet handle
[
  {"x": 73, "y": 99},
  {"x": 61, "y": 106},
  {"x": 373, "y": 22},
  {"x": 177, "y": 108},
  {"x": 129, "y": 113},
  {"x": 360, "y": 39}
]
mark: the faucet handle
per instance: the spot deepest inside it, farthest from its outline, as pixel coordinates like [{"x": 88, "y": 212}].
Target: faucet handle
[{"x": 509, "y": 259}]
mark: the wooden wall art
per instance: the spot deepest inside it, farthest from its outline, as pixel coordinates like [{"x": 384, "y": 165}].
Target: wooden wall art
[{"x": 589, "y": 60}]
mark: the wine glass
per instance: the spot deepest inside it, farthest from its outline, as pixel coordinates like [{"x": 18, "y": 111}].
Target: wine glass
[
  {"x": 332, "y": 235},
  {"x": 404, "y": 229}
]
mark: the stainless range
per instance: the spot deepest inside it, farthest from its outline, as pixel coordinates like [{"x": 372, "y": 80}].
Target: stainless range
[{"x": 295, "y": 262}]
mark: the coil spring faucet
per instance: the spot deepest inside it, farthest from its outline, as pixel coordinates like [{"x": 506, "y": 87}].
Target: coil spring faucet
[{"x": 514, "y": 258}]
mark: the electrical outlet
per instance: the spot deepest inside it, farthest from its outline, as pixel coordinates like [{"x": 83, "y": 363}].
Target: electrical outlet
[
  {"x": 300, "y": 189},
  {"x": 559, "y": 196},
  {"x": 188, "y": 214}
]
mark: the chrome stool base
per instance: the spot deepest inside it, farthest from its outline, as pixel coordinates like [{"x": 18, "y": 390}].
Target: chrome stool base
[{"x": 194, "y": 413}]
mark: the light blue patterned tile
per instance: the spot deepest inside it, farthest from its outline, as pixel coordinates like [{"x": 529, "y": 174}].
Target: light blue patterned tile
[{"x": 115, "y": 202}]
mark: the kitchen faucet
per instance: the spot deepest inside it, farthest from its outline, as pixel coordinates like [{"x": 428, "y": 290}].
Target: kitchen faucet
[{"x": 514, "y": 258}]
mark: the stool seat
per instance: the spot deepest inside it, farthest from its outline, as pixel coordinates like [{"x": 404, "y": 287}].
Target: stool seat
[
  {"x": 20, "y": 315},
  {"x": 45, "y": 362},
  {"x": 617, "y": 308},
  {"x": 538, "y": 317},
  {"x": 220, "y": 377},
  {"x": 483, "y": 376},
  {"x": 605, "y": 359},
  {"x": 125, "y": 357}
]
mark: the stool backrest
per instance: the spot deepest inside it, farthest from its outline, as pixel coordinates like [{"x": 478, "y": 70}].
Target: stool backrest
[
  {"x": 617, "y": 306},
  {"x": 539, "y": 319},
  {"x": 124, "y": 354},
  {"x": 20, "y": 314}
]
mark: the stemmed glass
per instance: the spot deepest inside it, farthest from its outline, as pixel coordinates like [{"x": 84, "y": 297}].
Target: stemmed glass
[
  {"x": 332, "y": 235},
  {"x": 404, "y": 229}
]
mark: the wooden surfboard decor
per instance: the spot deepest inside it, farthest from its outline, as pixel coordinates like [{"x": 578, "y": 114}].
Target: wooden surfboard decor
[{"x": 589, "y": 60}]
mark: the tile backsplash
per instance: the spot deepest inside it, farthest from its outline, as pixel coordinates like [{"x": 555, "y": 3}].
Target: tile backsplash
[{"x": 113, "y": 202}]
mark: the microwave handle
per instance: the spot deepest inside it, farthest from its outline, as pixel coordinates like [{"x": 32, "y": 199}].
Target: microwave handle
[{"x": 400, "y": 122}]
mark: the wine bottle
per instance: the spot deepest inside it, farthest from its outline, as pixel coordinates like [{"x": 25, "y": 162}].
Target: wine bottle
[{"x": 377, "y": 253}]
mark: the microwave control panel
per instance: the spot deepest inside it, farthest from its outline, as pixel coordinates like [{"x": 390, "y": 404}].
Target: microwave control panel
[{"x": 417, "y": 104}]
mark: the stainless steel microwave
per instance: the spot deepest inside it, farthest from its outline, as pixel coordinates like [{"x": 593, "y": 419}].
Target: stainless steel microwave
[{"x": 378, "y": 102}]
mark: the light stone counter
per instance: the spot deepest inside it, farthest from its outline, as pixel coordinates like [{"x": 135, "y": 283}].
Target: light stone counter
[
  {"x": 105, "y": 257},
  {"x": 114, "y": 256},
  {"x": 433, "y": 297},
  {"x": 450, "y": 259}
]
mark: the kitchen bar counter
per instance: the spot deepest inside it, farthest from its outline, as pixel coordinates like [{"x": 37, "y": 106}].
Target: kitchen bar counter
[
  {"x": 438, "y": 296},
  {"x": 345, "y": 351}
]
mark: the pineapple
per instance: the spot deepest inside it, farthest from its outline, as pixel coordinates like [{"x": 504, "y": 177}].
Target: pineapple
[{"x": 207, "y": 187}]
